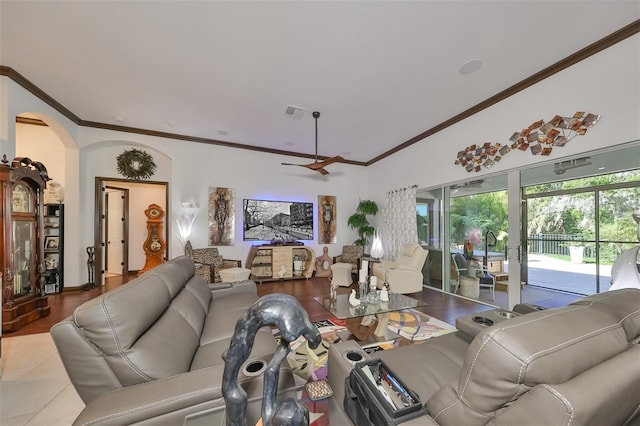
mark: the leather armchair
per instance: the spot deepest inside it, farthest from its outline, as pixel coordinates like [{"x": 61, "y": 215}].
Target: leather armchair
[
  {"x": 209, "y": 262},
  {"x": 405, "y": 274}
]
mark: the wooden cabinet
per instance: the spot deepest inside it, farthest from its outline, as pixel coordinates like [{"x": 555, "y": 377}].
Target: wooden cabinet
[
  {"x": 22, "y": 185},
  {"x": 269, "y": 263},
  {"x": 53, "y": 248}
]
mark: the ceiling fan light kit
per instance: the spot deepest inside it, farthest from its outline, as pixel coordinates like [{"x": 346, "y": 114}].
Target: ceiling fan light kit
[{"x": 318, "y": 166}]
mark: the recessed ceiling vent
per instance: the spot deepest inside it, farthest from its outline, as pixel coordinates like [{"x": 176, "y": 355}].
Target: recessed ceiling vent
[
  {"x": 294, "y": 111},
  {"x": 560, "y": 168}
]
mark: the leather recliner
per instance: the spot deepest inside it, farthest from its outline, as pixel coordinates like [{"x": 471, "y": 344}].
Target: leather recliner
[
  {"x": 151, "y": 350},
  {"x": 574, "y": 365},
  {"x": 405, "y": 274}
]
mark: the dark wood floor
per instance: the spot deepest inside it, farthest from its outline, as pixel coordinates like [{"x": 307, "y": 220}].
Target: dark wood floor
[{"x": 440, "y": 305}]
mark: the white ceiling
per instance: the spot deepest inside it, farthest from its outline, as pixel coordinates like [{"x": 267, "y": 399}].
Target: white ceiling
[{"x": 380, "y": 72}]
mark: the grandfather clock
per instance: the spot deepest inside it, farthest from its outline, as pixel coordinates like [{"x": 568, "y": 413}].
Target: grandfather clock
[
  {"x": 154, "y": 246},
  {"x": 22, "y": 185}
]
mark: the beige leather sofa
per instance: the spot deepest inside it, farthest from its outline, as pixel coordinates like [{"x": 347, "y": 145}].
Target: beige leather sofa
[
  {"x": 405, "y": 274},
  {"x": 150, "y": 350},
  {"x": 574, "y": 365}
]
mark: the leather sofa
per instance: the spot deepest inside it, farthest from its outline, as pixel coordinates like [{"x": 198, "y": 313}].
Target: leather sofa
[
  {"x": 574, "y": 365},
  {"x": 405, "y": 274},
  {"x": 150, "y": 351}
]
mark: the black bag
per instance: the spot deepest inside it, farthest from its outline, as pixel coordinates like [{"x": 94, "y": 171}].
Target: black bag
[{"x": 369, "y": 403}]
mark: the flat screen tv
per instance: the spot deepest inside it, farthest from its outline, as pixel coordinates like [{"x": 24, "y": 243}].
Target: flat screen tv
[{"x": 266, "y": 220}]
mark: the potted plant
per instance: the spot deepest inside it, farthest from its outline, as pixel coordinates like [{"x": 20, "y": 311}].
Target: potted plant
[{"x": 359, "y": 222}]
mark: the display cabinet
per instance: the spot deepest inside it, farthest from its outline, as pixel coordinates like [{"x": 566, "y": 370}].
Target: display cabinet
[
  {"x": 281, "y": 262},
  {"x": 22, "y": 185},
  {"x": 53, "y": 248}
]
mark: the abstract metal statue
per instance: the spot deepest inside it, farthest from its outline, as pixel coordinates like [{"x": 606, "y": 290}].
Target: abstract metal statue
[
  {"x": 285, "y": 313},
  {"x": 625, "y": 272}
]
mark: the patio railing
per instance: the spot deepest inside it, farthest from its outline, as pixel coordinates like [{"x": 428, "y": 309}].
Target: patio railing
[{"x": 558, "y": 244}]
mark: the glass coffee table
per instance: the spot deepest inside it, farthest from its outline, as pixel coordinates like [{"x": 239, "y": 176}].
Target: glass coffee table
[{"x": 360, "y": 319}]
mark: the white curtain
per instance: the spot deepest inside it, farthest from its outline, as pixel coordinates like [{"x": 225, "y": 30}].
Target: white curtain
[{"x": 400, "y": 218}]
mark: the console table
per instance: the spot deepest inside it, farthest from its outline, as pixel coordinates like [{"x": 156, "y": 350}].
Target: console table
[{"x": 282, "y": 262}]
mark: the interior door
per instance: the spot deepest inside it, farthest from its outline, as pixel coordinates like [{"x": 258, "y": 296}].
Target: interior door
[
  {"x": 100, "y": 223},
  {"x": 115, "y": 230}
]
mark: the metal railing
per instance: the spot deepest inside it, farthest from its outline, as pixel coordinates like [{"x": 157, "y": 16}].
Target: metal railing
[{"x": 559, "y": 244}]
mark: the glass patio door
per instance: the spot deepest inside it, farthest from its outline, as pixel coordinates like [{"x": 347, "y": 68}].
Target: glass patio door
[{"x": 560, "y": 242}]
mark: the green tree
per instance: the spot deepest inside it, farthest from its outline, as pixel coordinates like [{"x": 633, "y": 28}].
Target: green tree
[{"x": 359, "y": 222}]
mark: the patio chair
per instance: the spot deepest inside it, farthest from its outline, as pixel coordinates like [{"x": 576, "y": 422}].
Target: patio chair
[
  {"x": 459, "y": 264},
  {"x": 485, "y": 278}
]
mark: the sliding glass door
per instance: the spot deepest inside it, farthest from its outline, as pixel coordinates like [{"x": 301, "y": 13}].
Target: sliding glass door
[{"x": 558, "y": 230}]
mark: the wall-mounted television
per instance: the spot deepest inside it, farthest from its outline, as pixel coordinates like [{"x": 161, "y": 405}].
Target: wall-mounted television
[{"x": 266, "y": 220}]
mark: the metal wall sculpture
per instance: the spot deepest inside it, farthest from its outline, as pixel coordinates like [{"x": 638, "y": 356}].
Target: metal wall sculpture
[
  {"x": 540, "y": 138},
  {"x": 221, "y": 216},
  {"x": 327, "y": 213}
]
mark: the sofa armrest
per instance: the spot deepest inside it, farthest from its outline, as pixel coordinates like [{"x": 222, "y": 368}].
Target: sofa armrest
[
  {"x": 165, "y": 401},
  {"x": 220, "y": 286},
  {"x": 222, "y": 289}
]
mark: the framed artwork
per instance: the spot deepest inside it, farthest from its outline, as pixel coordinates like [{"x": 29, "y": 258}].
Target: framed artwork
[
  {"x": 327, "y": 212},
  {"x": 221, "y": 216},
  {"x": 51, "y": 242}
]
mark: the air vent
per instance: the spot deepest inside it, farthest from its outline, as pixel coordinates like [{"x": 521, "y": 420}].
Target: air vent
[
  {"x": 560, "y": 168},
  {"x": 294, "y": 111}
]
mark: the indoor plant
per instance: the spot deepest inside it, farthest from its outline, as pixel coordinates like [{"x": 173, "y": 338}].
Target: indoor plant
[{"x": 359, "y": 222}]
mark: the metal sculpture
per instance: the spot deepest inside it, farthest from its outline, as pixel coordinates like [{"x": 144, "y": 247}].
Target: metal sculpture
[{"x": 285, "y": 313}]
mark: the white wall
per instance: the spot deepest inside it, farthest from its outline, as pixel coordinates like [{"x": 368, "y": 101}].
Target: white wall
[{"x": 607, "y": 83}]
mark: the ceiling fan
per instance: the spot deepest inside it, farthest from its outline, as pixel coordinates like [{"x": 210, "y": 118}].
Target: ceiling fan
[{"x": 318, "y": 166}]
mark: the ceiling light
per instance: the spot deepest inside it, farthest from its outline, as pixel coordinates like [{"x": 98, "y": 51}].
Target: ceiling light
[{"x": 470, "y": 67}]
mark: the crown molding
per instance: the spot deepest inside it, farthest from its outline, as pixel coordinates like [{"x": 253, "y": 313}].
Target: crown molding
[{"x": 598, "y": 46}]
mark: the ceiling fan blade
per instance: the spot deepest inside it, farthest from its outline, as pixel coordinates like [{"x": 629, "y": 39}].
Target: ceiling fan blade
[
  {"x": 331, "y": 160},
  {"x": 318, "y": 166}
]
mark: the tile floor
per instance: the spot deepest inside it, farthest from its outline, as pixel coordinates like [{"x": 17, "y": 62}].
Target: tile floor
[{"x": 34, "y": 387}]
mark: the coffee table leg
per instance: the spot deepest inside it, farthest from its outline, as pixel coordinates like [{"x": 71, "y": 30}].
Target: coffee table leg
[{"x": 383, "y": 321}]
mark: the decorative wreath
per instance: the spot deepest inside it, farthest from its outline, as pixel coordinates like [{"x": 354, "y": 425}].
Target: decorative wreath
[{"x": 136, "y": 164}]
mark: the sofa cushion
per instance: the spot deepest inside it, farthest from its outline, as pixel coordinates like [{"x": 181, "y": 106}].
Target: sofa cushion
[
  {"x": 443, "y": 357},
  {"x": 623, "y": 304},
  {"x": 220, "y": 325},
  {"x": 211, "y": 353},
  {"x": 232, "y": 301},
  {"x": 409, "y": 249},
  {"x": 505, "y": 361}
]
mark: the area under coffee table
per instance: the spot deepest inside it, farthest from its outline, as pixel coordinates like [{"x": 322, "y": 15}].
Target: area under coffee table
[{"x": 366, "y": 313}]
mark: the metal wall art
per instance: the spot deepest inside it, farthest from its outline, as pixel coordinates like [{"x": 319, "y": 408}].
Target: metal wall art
[
  {"x": 327, "y": 219},
  {"x": 539, "y": 138},
  {"x": 221, "y": 216}
]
